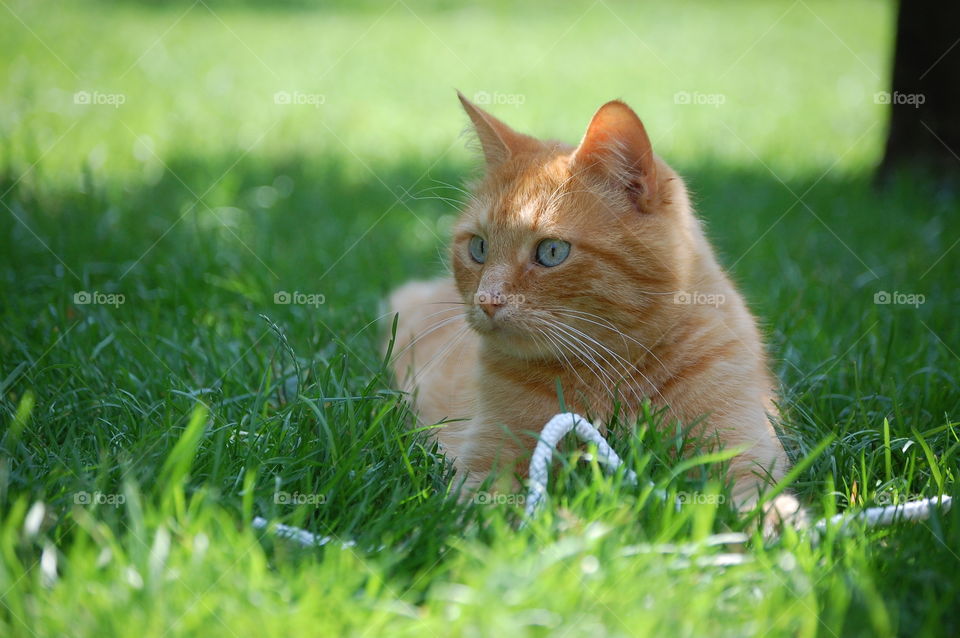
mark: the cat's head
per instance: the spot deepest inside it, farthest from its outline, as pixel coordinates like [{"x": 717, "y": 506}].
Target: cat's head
[{"x": 562, "y": 244}]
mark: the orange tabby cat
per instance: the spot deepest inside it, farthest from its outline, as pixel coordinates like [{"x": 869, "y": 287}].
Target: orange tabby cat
[{"x": 585, "y": 265}]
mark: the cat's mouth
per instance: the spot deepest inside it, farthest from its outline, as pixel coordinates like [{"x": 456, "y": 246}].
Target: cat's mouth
[
  {"x": 508, "y": 332},
  {"x": 500, "y": 324}
]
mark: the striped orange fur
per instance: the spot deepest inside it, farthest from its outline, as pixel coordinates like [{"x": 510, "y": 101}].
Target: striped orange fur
[{"x": 639, "y": 308}]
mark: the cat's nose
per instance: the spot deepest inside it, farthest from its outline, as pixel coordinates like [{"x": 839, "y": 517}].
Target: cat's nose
[{"x": 490, "y": 303}]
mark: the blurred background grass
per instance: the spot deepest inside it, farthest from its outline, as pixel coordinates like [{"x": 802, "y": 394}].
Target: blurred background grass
[{"x": 797, "y": 79}]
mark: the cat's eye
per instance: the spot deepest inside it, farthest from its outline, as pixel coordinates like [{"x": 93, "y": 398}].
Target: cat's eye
[
  {"x": 552, "y": 252},
  {"x": 478, "y": 249}
]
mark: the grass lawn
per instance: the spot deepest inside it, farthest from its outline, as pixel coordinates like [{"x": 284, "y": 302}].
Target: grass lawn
[{"x": 167, "y": 169}]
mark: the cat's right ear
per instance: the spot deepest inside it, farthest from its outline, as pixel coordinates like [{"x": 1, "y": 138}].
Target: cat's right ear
[
  {"x": 616, "y": 144},
  {"x": 498, "y": 141}
]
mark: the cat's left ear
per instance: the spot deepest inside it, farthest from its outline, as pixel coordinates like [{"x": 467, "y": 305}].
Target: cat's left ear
[
  {"x": 498, "y": 140},
  {"x": 616, "y": 144}
]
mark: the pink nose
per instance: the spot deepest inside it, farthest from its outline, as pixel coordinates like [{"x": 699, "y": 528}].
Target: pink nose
[{"x": 490, "y": 303}]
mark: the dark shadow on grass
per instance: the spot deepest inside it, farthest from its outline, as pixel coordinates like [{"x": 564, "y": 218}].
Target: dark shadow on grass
[{"x": 197, "y": 277}]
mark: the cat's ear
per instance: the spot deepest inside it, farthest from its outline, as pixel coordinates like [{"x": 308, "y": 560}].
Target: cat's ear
[
  {"x": 617, "y": 144},
  {"x": 499, "y": 141}
]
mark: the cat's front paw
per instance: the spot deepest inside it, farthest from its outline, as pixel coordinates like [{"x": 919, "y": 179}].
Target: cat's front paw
[{"x": 784, "y": 510}]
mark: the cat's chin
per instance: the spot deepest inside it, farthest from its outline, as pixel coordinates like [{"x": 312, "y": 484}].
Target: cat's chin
[
  {"x": 513, "y": 342},
  {"x": 518, "y": 347}
]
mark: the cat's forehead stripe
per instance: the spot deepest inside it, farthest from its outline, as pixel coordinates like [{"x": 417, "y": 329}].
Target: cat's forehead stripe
[
  {"x": 522, "y": 201},
  {"x": 509, "y": 212},
  {"x": 529, "y": 212}
]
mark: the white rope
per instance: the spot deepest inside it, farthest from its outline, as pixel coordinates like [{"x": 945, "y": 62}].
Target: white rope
[
  {"x": 888, "y": 515},
  {"x": 551, "y": 434},
  {"x": 297, "y": 534},
  {"x": 562, "y": 424}
]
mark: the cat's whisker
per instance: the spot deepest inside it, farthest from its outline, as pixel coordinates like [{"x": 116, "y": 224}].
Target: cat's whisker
[
  {"x": 553, "y": 196},
  {"x": 625, "y": 336},
  {"x": 393, "y": 312},
  {"x": 592, "y": 360},
  {"x": 469, "y": 199},
  {"x": 449, "y": 308},
  {"x": 452, "y": 187},
  {"x": 440, "y": 323},
  {"x": 444, "y": 262},
  {"x": 440, "y": 355},
  {"x": 456, "y": 204},
  {"x": 445, "y": 186},
  {"x": 556, "y": 201},
  {"x": 374, "y": 322},
  {"x": 605, "y": 323},
  {"x": 440, "y": 312},
  {"x": 589, "y": 363},
  {"x": 420, "y": 193},
  {"x": 587, "y": 356},
  {"x": 559, "y": 350},
  {"x": 617, "y": 359},
  {"x": 626, "y": 364}
]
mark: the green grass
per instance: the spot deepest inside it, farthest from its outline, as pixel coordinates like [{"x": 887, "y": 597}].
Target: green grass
[{"x": 189, "y": 406}]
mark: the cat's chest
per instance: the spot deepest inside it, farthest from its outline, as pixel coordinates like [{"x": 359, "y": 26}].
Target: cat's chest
[{"x": 523, "y": 397}]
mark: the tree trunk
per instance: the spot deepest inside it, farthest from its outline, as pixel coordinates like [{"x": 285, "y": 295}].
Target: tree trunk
[{"x": 925, "y": 93}]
